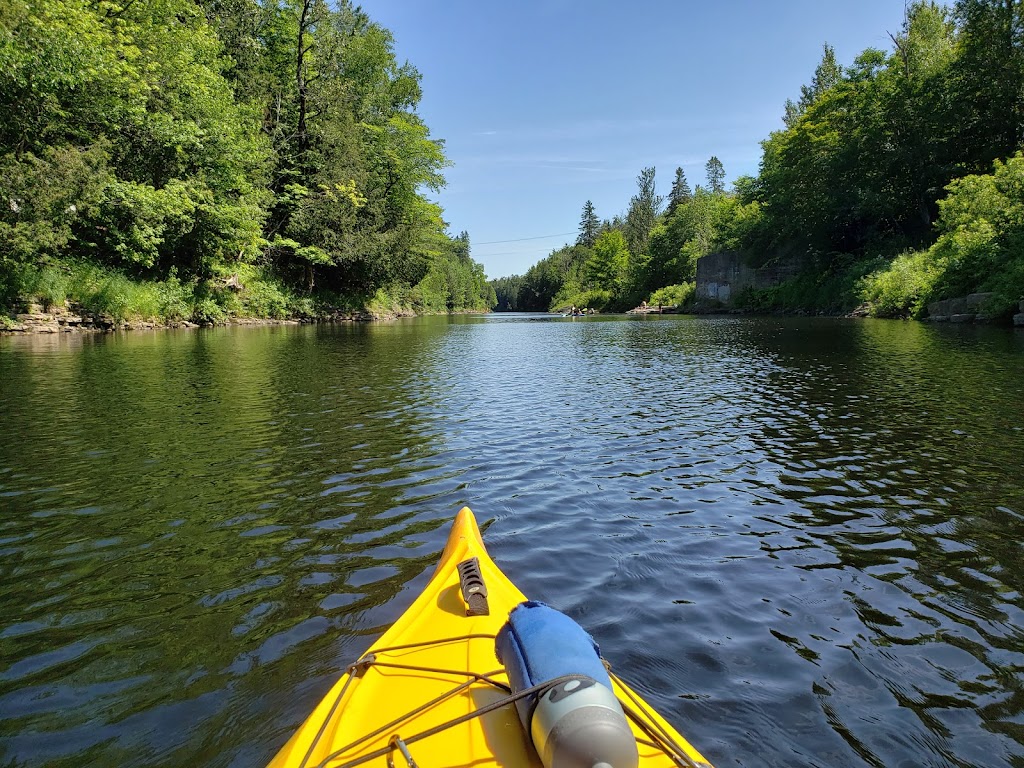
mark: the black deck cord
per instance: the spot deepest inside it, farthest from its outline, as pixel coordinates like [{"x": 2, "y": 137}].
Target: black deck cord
[
  {"x": 662, "y": 738},
  {"x": 474, "y": 678},
  {"x": 495, "y": 705},
  {"x": 366, "y": 661}
]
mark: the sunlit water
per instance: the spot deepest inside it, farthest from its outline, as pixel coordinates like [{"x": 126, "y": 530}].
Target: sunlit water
[{"x": 801, "y": 540}]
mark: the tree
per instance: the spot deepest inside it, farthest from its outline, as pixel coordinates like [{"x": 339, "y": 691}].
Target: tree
[
  {"x": 174, "y": 168},
  {"x": 606, "y": 266},
  {"x": 826, "y": 75},
  {"x": 680, "y": 192},
  {"x": 643, "y": 212},
  {"x": 363, "y": 138},
  {"x": 694, "y": 231},
  {"x": 988, "y": 80},
  {"x": 716, "y": 175},
  {"x": 460, "y": 247},
  {"x": 589, "y": 226},
  {"x": 507, "y": 291}
]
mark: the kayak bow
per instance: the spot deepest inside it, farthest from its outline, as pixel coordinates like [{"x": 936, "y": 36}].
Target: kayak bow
[{"x": 431, "y": 690}]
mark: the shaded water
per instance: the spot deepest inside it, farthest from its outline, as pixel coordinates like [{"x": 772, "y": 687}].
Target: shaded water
[{"x": 801, "y": 540}]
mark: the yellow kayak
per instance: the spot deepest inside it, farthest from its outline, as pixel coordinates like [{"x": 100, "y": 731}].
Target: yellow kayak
[{"x": 431, "y": 691}]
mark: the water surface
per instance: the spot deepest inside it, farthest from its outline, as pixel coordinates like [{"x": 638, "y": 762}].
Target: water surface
[{"x": 800, "y": 539}]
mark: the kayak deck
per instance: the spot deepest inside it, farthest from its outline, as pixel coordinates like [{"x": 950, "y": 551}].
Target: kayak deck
[{"x": 435, "y": 666}]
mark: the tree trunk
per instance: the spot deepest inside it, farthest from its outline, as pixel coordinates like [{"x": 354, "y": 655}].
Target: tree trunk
[{"x": 302, "y": 136}]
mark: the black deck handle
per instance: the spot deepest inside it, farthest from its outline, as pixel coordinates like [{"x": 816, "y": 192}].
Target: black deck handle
[{"x": 474, "y": 591}]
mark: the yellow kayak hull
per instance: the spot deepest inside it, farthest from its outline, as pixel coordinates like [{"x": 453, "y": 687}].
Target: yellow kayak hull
[{"x": 435, "y": 665}]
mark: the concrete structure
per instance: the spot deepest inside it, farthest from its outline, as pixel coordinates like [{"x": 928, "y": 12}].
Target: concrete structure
[{"x": 721, "y": 277}]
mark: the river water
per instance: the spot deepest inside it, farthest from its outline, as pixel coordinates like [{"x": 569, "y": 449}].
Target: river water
[{"x": 800, "y": 539}]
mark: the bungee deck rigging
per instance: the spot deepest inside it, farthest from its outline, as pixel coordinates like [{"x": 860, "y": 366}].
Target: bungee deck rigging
[{"x": 429, "y": 692}]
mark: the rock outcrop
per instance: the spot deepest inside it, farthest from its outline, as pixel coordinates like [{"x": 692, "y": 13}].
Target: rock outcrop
[{"x": 965, "y": 309}]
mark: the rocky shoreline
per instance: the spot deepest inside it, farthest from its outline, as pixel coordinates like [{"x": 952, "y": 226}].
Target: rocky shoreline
[
  {"x": 66, "y": 320},
  {"x": 968, "y": 309}
]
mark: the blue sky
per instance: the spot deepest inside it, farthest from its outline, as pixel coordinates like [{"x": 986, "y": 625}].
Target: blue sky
[{"x": 544, "y": 104}]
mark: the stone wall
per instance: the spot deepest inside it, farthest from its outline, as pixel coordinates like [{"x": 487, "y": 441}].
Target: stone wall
[
  {"x": 722, "y": 276},
  {"x": 968, "y": 309},
  {"x": 964, "y": 309}
]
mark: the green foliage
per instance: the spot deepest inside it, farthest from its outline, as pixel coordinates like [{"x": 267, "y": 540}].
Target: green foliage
[
  {"x": 642, "y": 215},
  {"x": 44, "y": 198},
  {"x": 879, "y": 184},
  {"x": 263, "y": 297},
  {"x": 582, "y": 298},
  {"x": 250, "y": 291},
  {"x": 827, "y": 75},
  {"x": 716, "y": 175},
  {"x": 832, "y": 292},
  {"x": 207, "y": 311},
  {"x": 980, "y": 248},
  {"x": 672, "y": 295},
  {"x": 902, "y": 288},
  {"x": 92, "y": 289},
  {"x": 240, "y": 157},
  {"x": 680, "y": 192},
  {"x": 454, "y": 282},
  {"x": 389, "y": 301},
  {"x": 164, "y": 144},
  {"x": 704, "y": 223},
  {"x": 981, "y": 241},
  {"x": 606, "y": 267},
  {"x": 174, "y": 299},
  {"x": 589, "y": 226},
  {"x": 506, "y": 293},
  {"x": 543, "y": 281}
]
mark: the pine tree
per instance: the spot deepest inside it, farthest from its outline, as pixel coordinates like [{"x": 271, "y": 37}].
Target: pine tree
[
  {"x": 716, "y": 175},
  {"x": 590, "y": 226},
  {"x": 680, "y": 192},
  {"x": 826, "y": 75},
  {"x": 643, "y": 212}
]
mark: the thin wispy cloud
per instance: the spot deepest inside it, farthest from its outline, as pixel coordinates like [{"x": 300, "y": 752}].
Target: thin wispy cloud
[{"x": 533, "y": 160}]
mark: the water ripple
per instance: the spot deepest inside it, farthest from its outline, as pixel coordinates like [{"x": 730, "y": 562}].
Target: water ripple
[{"x": 800, "y": 539}]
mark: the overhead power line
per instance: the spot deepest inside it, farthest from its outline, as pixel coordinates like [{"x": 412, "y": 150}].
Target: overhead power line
[{"x": 521, "y": 239}]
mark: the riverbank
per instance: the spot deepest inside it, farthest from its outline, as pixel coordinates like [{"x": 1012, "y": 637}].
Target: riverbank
[
  {"x": 76, "y": 296},
  {"x": 67, "y": 320}
]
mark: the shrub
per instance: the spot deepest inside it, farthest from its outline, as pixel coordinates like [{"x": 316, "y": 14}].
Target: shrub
[
  {"x": 263, "y": 298},
  {"x": 673, "y": 295},
  {"x": 903, "y": 288},
  {"x": 585, "y": 299},
  {"x": 207, "y": 311},
  {"x": 174, "y": 298}
]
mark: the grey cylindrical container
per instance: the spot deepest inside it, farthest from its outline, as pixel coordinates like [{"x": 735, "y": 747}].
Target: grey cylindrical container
[{"x": 580, "y": 724}]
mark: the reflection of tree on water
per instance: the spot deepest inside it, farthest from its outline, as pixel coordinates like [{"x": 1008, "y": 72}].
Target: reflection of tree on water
[
  {"x": 197, "y": 540},
  {"x": 907, "y": 483},
  {"x": 216, "y": 500}
]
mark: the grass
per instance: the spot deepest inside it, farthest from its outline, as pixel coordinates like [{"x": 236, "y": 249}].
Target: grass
[{"x": 238, "y": 291}]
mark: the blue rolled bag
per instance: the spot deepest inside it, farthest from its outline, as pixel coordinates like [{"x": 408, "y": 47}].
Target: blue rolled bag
[{"x": 574, "y": 723}]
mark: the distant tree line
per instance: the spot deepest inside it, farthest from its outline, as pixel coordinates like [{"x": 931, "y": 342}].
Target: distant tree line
[
  {"x": 650, "y": 253},
  {"x": 893, "y": 182},
  {"x": 219, "y": 152}
]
